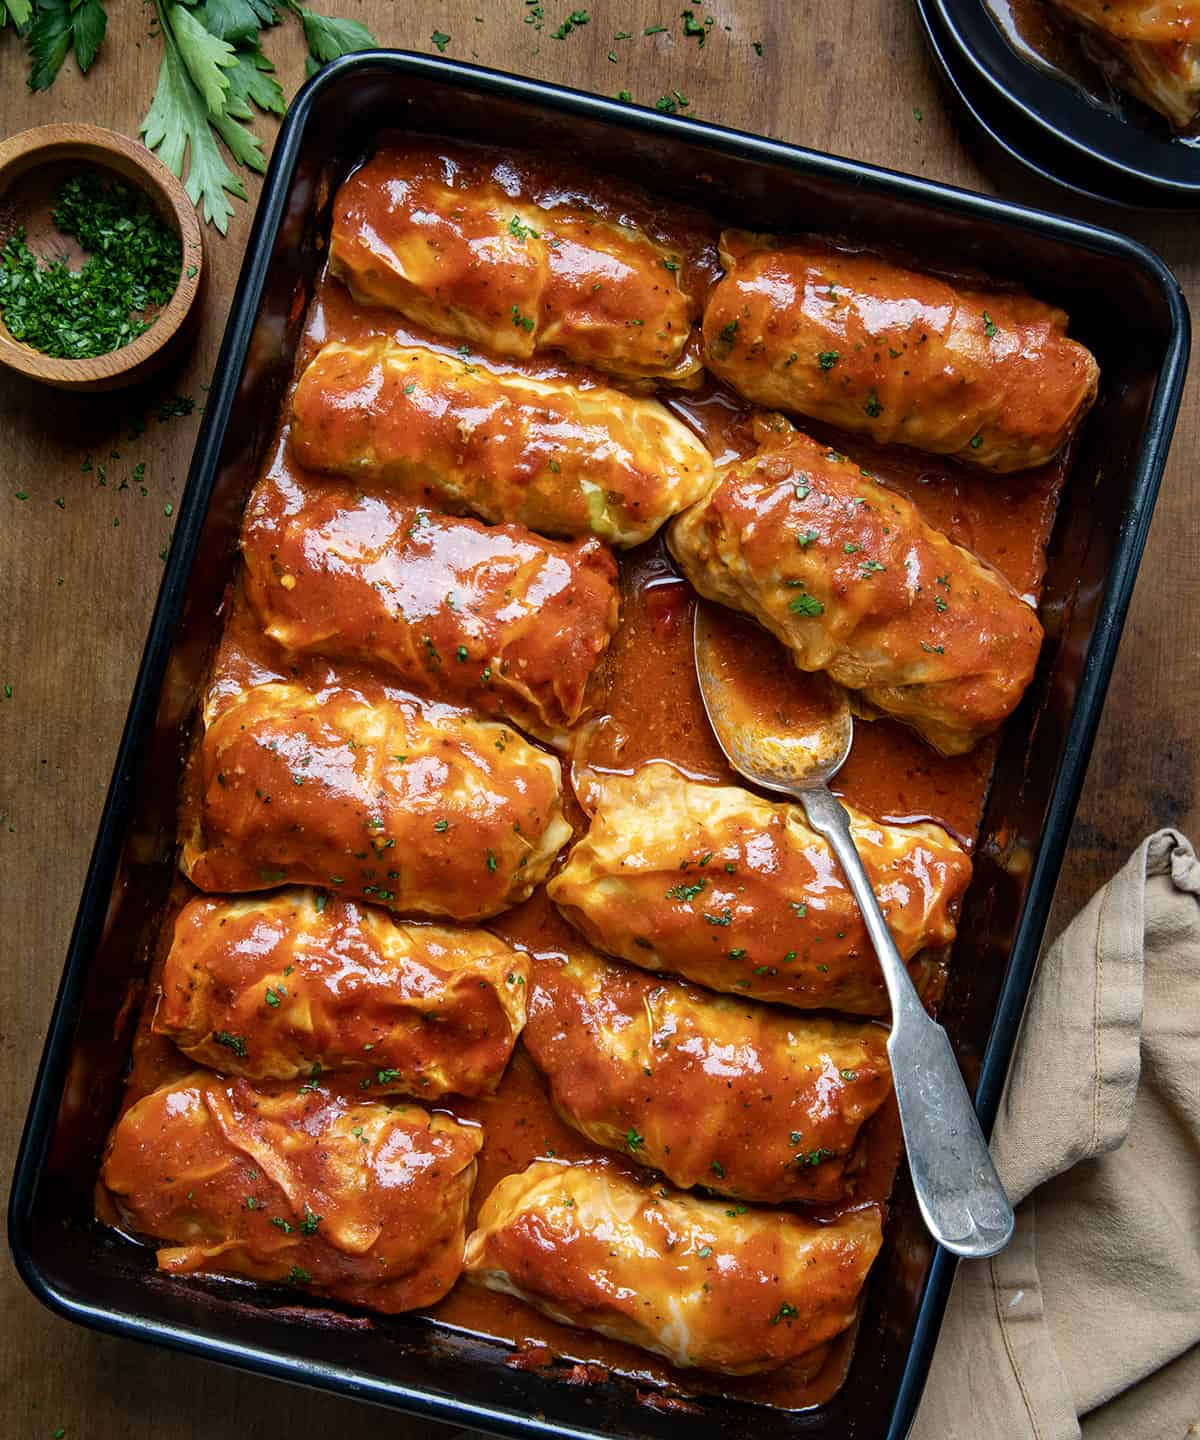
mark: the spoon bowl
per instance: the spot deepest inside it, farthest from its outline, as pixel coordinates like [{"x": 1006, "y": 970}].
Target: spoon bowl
[
  {"x": 818, "y": 735},
  {"x": 958, "y": 1191}
]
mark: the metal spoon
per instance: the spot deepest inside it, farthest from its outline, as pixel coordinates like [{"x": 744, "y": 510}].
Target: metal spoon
[{"x": 957, "y": 1188}]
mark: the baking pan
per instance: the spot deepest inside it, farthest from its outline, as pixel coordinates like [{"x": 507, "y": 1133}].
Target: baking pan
[
  {"x": 1119, "y": 150},
  {"x": 1124, "y": 304}
]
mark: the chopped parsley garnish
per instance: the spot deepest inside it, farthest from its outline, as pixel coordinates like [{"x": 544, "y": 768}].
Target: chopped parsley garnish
[
  {"x": 728, "y": 334},
  {"x": 491, "y": 861},
  {"x": 871, "y": 567},
  {"x": 989, "y": 325},
  {"x": 805, "y": 540},
  {"x": 521, "y": 232},
  {"x": 386, "y": 1077},
  {"x": 849, "y": 1074},
  {"x": 737, "y": 954},
  {"x": 718, "y": 1169},
  {"x": 633, "y": 1140},
  {"x": 785, "y": 1312},
  {"x": 827, "y": 359},
  {"x": 230, "y": 1042},
  {"x": 525, "y": 322},
  {"x": 686, "y": 893},
  {"x": 976, "y": 441},
  {"x": 298, "y": 1275},
  {"x": 274, "y": 997},
  {"x": 704, "y": 1252},
  {"x": 806, "y": 605},
  {"x": 281, "y": 1224},
  {"x": 724, "y": 918},
  {"x": 873, "y": 408},
  {"x": 308, "y": 1226}
]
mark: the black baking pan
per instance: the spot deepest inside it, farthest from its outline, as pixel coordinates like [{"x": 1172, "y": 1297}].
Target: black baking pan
[
  {"x": 1097, "y": 142},
  {"x": 1124, "y": 304}
]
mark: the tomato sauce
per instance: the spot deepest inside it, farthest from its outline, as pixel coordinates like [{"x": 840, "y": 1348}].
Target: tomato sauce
[{"x": 649, "y": 708}]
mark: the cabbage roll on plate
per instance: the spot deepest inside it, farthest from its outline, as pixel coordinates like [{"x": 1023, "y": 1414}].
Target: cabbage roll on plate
[
  {"x": 992, "y": 379},
  {"x": 854, "y": 581},
  {"x": 564, "y": 459},
  {"x": 1156, "y": 44},
  {"x": 425, "y": 809},
  {"x": 744, "y": 1099},
  {"x": 495, "y": 618},
  {"x": 468, "y": 243},
  {"x": 705, "y": 1283},
  {"x": 355, "y": 1201},
  {"x": 297, "y": 983},
  {"x": 739, "y": 894}
]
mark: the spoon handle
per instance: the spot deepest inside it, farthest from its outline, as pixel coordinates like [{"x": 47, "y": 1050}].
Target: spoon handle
[{"x": 960, "y": 1194}]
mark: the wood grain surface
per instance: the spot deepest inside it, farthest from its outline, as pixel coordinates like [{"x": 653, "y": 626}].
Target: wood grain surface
[{"x": 80, "y": 564}]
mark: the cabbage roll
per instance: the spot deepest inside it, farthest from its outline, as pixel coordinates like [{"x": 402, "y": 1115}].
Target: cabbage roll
[
  {"x": 495, "y": 618},
  {"x": 443, "y": 431},
  {"x": 702, "y": 1282},
  {"x": 454, "y": 240},
  {"x": 285, "y": 985},
  {"x": 350, "y": 1200},
  {"x": 1156, "y": 44},
  {"x": 854, "y": 581},
  {"x": 738, "y": 894},
  {"x": 424, "y": 809},
  {"x": 744, "y": 1099},
  {"x": 991, "y": 379}
]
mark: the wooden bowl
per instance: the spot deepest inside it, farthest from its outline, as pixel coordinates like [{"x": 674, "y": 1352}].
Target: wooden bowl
[{"x": 32, "y": 164}]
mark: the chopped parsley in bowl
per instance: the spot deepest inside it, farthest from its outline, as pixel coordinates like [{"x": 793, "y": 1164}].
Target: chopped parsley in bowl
[{"x": 132, "y": 267}]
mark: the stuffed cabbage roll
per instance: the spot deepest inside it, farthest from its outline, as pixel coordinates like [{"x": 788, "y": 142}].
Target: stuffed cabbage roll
[
  {"x": 1157, "y": 45},
  {"x": 742, "y": 1098},
  {"x": 705, "y": 1283},
  {"x": 991, "y": 379},
  {"x": 738, "y": 894},
  {"x": 496, "y": 618},
  {"x": 282, "y": 986},
  {"x": 454, "y": 240},
  {"x": 560, "y": 458},
  {"x": 854, "y": 581},
  {"x": 424, "y": 809},
  {"x": 354, "y": 1201}
]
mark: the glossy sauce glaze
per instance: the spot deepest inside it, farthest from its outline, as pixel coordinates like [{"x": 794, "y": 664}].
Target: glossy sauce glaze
[{"x": 649, "y": 708}]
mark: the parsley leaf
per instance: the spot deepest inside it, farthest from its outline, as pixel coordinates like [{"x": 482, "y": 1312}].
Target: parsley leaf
[
  {"x": 328, "y": 37},
  {"x": 177, "y": 124},
  {"x": 59, "y": 26}
]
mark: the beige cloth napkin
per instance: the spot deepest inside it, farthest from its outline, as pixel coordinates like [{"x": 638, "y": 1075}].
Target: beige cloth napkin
[{"x": 1089, "y": 1323}]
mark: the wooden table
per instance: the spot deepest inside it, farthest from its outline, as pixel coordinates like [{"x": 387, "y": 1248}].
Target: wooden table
[{"x": 80, "y": 566}]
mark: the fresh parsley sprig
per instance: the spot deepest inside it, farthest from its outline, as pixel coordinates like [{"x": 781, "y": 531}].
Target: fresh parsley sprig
[
  {"x": 212, "y": 79},
  {"x": 52, "y": 29}
]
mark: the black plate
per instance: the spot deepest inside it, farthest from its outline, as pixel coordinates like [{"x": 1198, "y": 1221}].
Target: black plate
[
  {"x": 1124, "y": 304},
  {"x": 1120, "y": 152}
]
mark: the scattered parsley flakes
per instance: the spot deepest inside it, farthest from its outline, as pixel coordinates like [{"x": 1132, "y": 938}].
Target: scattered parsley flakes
[
  {"x": 230, "y": 1042},
  {"x": 576, "y": 17},
  {"x": 990, "y": 327},
  {"x": 827, "y": 359},
  {"x": 441, "y": 40}
]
